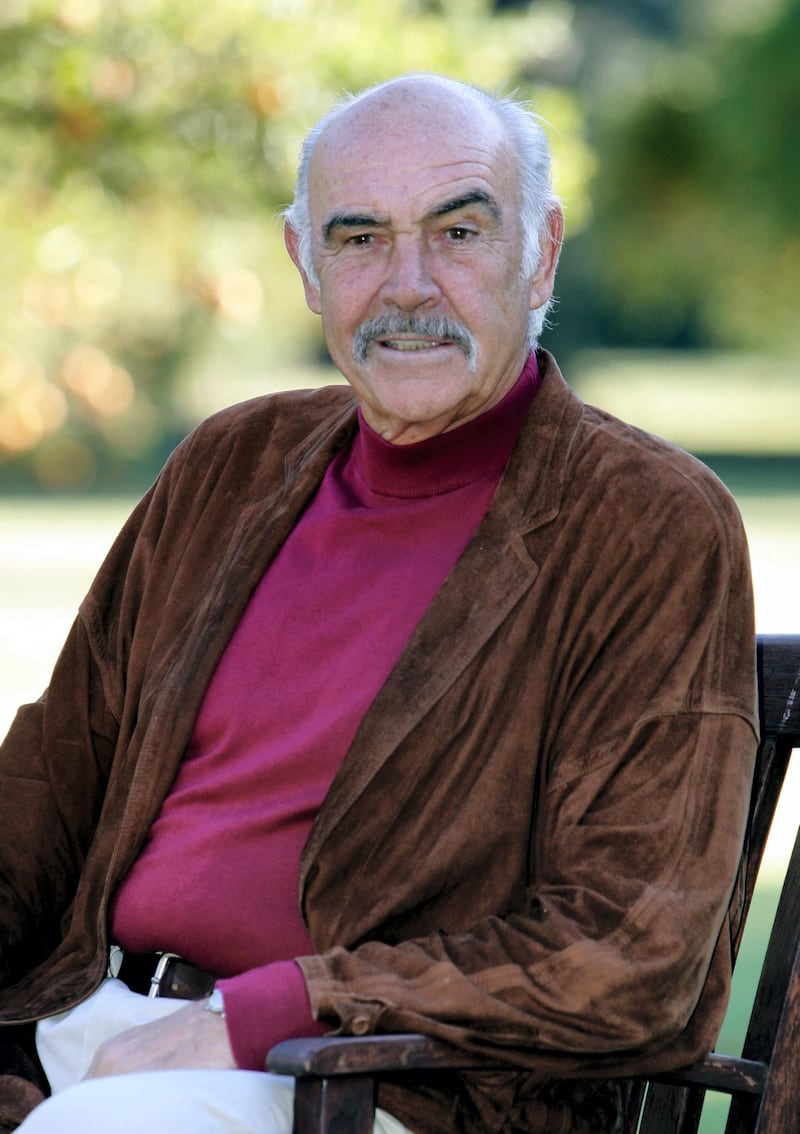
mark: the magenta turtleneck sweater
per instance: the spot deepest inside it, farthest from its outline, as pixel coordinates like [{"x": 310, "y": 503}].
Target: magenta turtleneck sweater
[{"x": 318, "y": 639}]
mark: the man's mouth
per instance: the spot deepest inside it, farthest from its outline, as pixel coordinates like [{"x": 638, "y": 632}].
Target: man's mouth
[
  {"x": 413, "y": 333},
  {"x": 414, "y": 344}
]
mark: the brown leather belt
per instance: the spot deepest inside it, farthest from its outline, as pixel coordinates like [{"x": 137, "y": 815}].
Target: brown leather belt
[{"x": 165, "y": 974}]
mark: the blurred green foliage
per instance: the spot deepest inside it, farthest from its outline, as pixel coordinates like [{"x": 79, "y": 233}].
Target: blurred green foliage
[
  {"x": 149, "y": 145},
  {"x": 696, "y": 227}
]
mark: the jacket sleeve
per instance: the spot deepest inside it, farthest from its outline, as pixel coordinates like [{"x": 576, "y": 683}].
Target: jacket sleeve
[
  {"x": 610, "y": 952},
  {"x": 55, "y": 765},
  {"x": 53, "y": 768},
  {"x": 634, "y": 845}
]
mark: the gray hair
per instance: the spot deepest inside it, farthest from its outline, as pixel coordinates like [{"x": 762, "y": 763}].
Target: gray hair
[{"x": 529, "y": 144}]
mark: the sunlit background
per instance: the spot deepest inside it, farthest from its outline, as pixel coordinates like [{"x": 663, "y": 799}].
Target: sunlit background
[{"x": 148, "y": 147}]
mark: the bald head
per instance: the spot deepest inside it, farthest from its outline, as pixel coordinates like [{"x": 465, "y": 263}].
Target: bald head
[{"x": 411, "y": 98}]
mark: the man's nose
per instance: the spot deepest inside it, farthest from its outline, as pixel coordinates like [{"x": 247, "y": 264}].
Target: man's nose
[{"x": 410, "y": 282}]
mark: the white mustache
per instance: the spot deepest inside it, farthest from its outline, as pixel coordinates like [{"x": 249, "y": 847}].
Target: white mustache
[{"x": 432, "y": 327}]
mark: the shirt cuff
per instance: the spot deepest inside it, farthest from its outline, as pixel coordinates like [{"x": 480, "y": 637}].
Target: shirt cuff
[{"x": 264, "y": 1006}]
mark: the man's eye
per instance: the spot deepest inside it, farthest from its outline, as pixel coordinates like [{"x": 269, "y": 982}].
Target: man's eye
[
  {"x": 360, "y": 239},
  {"x": 458, "y": 234}
]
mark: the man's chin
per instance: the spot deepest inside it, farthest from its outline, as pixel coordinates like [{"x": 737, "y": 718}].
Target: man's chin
[{"x": 412, "y": 410}]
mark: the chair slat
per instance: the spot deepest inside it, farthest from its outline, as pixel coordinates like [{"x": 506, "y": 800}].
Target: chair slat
[{"x": 780, "y": 1112}]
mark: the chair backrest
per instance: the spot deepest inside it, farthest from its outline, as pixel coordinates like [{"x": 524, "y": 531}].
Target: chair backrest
[{"x": 764, "y": 1084}]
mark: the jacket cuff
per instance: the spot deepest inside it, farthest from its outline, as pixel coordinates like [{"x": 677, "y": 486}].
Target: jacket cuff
[{"x": 332, "y": 1000}]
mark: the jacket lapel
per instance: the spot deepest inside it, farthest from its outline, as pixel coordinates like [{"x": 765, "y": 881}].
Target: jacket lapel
[
  {"x": 489, "y": 579},
  {"x": 199, "y": 641}
]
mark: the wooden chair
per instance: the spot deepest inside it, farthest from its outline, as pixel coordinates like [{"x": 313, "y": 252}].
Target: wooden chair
[{"x": 336, "y": 1076}]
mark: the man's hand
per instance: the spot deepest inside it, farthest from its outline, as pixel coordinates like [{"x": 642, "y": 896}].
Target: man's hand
[{"x": 188, "y": 1039}]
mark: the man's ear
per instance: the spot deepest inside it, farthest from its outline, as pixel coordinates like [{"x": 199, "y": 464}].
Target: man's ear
[
  {"x": 292, "y": 242},
  {"x": 543, "y": 279}
]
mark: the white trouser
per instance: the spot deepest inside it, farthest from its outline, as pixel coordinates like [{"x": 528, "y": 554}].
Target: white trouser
[{"x": 155, "y": 1102}]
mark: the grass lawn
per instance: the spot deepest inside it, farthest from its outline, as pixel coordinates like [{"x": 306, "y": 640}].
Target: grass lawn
[{"x": 51, "y": 547}]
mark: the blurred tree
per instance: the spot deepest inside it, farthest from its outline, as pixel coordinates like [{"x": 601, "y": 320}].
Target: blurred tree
[
  {"x": 695, "y": 233},
  {"x": 148, "y": 147}
]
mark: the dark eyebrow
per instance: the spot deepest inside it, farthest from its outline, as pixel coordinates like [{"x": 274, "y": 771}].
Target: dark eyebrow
[
  {"x": 349, "y": 220},
  {"x": 476, "y": 197}
]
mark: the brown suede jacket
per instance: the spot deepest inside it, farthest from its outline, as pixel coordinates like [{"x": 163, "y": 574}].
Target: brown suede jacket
[{"x": 531, "y": 846}]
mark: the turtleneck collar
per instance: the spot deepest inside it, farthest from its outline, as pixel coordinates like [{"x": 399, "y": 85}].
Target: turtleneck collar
[{"x": 440, "y": 464}]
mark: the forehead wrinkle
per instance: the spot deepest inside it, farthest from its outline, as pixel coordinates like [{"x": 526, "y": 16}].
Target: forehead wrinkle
[
  {"x": 484, "y": 179},
  {"x": 477, "y": 173}
]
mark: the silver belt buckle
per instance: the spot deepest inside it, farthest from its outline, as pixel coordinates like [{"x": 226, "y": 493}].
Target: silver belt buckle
[
  {"x": 115, "y": 956},
  {"x": 158, "y": 975}
]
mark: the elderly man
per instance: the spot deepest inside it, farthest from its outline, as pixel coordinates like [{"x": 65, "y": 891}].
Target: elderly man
[{"x": 465, "y": 663}]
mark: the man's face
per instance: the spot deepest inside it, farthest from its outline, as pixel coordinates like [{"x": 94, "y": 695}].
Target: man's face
[{"x": 417, "y": 246}]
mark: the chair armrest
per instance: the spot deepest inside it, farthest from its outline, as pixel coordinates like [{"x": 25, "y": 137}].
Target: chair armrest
[
  {"x": 718, "y": 1073},
  {"x": 330, "y": 1056},
  {"x": 365, "y": 1055}
]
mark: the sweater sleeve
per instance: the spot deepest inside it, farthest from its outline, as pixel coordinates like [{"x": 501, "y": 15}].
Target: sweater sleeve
[{"x": 263, "y": 1007}]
